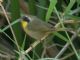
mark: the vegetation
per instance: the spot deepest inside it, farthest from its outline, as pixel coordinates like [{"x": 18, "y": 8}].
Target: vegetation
[{"x": 62, "y": 44}]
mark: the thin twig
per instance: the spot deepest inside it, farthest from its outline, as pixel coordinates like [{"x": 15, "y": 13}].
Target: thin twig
[
  {"x": 43, "y": 53},
  {"x": 66, "y": 45},
  {"x": 61, "y": 21},
  {"x": 9, "y": 25},
  {"x": 68, "y": 55},
  {"x": 31, "y": 47},
  {"x": 35, "y": 44}
]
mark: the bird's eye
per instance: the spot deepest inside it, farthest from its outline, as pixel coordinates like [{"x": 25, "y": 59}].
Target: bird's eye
[{"x": 26, "y": 19}]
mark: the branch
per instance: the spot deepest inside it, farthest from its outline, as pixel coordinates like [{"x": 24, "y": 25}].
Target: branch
[{"x": 67, "y": 44}]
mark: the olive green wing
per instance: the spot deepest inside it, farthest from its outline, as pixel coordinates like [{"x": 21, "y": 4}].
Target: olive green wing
[{"x": 38, "y": 25}]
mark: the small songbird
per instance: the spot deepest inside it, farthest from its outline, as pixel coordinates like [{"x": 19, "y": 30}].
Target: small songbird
[{"x": 35, "y": 27}]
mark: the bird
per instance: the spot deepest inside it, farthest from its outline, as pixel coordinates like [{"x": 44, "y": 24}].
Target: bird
[{"x": 35, "y": 27}]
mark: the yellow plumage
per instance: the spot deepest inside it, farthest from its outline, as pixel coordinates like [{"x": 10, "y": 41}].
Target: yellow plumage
[{"x": 24, "y": 24}]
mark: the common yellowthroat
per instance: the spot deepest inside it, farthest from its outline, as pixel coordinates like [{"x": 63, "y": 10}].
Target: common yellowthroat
[{"x": 35, "y": 27}]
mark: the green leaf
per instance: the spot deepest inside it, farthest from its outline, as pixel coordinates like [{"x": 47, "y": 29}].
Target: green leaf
[
  {"x": 67, "y": 10},
  {"x": 60, "y": 36},
  {"x": 15, "y": 14},
  {"x": 78, "y": 1},
  {"x": 41, "y": 13},
  {"x": 50, "y": 9}
]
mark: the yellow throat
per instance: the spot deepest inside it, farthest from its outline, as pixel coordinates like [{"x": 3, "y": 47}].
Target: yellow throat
[{"x": 24, "y": 24}]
